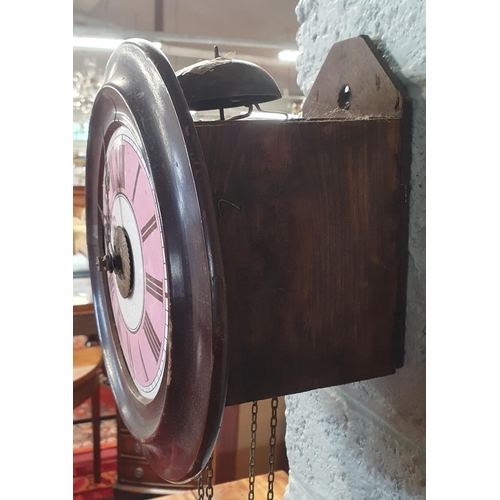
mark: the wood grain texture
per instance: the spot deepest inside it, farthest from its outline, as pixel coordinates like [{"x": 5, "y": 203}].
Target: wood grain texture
[{"x": 310, "y": 227}]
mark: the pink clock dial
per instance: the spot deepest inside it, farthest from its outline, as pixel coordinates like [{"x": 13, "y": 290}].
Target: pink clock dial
[
  {"x": 138, "y": 288},
  {"x": 157, "y": 275}
]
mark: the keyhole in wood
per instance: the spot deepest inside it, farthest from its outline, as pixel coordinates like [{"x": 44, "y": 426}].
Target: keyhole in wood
[{"x": 345, "y": 97}]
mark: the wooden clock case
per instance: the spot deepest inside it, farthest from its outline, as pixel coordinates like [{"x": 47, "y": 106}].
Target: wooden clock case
[{"x": 312, "y": 221}]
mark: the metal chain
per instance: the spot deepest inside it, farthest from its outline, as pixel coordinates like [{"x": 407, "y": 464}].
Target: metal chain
[
  {"x": 272, "y": 446},
  {"x": 253, "y": 443},
  {"x": 209, "y": 471},
  {"x": 201, "y": 491},
  {"x": 210, "y": 475}
]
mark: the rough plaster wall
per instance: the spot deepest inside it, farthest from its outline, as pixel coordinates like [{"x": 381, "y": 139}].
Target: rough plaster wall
[{"x": 366, "y": 440}]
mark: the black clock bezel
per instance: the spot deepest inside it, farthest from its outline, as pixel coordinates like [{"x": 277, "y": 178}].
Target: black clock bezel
[{"x": 179, "y": 427}]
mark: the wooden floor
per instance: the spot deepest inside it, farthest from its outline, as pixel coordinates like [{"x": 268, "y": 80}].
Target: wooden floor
[{"x": 237, "y": 490}]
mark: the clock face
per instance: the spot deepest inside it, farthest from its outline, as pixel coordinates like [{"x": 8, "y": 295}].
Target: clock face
[
  {"x": 138, "y": 285},
  {"x": 156, "y": 266}
]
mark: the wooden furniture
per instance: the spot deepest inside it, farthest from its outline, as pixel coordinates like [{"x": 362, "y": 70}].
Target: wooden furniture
[
  {"x": 87, "y": 364},
  {"x": 136, "y": 479},
  {"x": 84, "y": 322},
  {"x": 78, "y": 201},
  {"x": 79, "y": 227},
  {"x": 238, "y": 490}
]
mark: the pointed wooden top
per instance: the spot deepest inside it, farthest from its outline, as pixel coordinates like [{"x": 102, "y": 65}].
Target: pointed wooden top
[{"x": 355, "y": 82}]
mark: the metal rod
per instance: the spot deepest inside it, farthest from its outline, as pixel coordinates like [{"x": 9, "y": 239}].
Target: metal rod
[
  {"x": 239, "y": 117},
  {"x": 272, "y": 112}
]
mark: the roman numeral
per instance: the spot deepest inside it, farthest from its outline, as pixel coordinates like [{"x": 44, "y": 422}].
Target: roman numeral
[
  {"x": 148, "y": 228},
  {"x": 121, "y": 168},
  {"x": 154, "y": 287},
  {"x": 151, "y": 337},
  {"x": 143, "y": 364},
  {"x": 118, "y": 171},
  {"x": 135, "y": 182},
  {"x": 129, "y": 350}
]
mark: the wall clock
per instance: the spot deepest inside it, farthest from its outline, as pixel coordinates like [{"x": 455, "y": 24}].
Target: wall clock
[
  {"x": 158, "y": 288},
  {"x": 239, "y": 260}
]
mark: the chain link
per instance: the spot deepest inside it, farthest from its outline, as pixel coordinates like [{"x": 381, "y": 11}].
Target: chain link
[
  {"x": 209, "y": 472},
  {"x": 272, "y": 446},
  {"x": 210, "y": 475},
  {"x": 201, "y": 491},
  {"x": 253, "y": 444}
]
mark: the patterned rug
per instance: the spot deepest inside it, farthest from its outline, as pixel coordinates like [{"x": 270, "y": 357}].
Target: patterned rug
[
  {"x": 82, "y": 433},
  {"x": 84, "y": 487}
]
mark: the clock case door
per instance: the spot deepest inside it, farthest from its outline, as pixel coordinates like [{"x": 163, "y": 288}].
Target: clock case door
[{"x": 179, "y": 427}]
